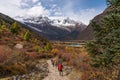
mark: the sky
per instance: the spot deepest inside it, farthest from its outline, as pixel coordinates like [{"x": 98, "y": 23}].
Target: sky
[{"x": 79, "y": 10}]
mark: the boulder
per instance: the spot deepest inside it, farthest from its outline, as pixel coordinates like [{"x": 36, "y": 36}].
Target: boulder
[{"x": 19, "y": 46}]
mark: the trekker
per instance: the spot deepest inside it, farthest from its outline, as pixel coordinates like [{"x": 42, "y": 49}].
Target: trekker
[
  {"x": 52, "y": 61},
  {"x": 60, "y": 67},
  {"x": 55, "y": 63}
]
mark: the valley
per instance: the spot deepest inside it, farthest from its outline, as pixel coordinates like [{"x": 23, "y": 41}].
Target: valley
[{"x": 40, "y": 40}]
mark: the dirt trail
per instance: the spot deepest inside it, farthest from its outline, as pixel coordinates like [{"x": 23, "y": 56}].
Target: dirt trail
[{"x": 54, "y": 74}]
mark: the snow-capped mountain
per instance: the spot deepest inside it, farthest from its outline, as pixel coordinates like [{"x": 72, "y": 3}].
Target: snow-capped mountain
[{"x": 52, "y": 27}]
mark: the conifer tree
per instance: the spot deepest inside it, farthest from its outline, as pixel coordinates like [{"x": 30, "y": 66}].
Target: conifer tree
[
  {"x": 15, "y": 28},
  {"x": 27, "y": 36}
]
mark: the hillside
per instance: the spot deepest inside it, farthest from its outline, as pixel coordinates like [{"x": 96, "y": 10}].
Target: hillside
[
  {"x": 88, "y": 33},
  {"x": 104, "y": 50},
  {"x": 73, "y": 35},
  {"x": 20, "y": 49}
]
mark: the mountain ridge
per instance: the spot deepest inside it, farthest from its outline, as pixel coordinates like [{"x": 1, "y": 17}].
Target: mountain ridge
[{"x": 53, "y": 29}]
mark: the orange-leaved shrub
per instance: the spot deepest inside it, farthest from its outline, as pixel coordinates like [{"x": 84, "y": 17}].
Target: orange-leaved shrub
[{"x": 55, "y": 51}]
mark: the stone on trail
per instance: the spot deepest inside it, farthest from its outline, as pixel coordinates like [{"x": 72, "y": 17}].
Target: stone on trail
[{"x": 19, "y": 46}]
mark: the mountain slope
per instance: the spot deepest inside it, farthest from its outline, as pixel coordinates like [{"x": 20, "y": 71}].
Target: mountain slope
[
  {"x": 107, "y": 30},
  {"x": 20, "y": 48},
  {"x": 4, "y": 18},
  {"x": 74, "y": 34},
  {"x": 88, "y": 33}
]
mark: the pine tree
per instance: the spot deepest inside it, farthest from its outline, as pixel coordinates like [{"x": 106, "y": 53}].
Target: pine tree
[
  {"x": 15, "y": 28},
  {"x": 27, "y": 36},
  {"x": 107, "y": 42}
]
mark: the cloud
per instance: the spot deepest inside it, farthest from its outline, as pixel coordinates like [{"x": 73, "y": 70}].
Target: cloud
[
  {"x": 86, "y": 15},
  {"x": 83, "y": 15},
  {"x": 34, "y": 1},
  {"x": 19, "y": 7},
  {"x": 24, "y": 5},
  {"x": 11, "y": 8},
  {"x": 37, "y": 10},
  {"x": 55, "y": 10}
]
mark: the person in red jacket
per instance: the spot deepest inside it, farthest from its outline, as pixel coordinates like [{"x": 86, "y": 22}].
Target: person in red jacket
[{"x": 60, "y": 67}]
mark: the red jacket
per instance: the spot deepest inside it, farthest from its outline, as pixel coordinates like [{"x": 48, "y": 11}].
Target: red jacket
[{"x": 60, "y": 66}]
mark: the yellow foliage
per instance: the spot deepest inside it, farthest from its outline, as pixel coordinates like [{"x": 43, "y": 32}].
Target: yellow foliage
[
  {"x": 55, "y": 51},
  {"x": 69, "y": 48}
]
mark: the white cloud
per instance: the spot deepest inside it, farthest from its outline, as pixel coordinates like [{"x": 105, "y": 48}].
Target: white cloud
[
  {"x": 34, "y": 1},
  {"x": 14, "y": 8},
  {"x": 11, "y": 8},
  {"x": 87, "y": 15},
  {"x": 37, "y": 10},
  {"x": 84, "y": 15}
]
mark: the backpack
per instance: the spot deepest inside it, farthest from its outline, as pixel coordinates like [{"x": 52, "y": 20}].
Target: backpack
[{"x": 60, "y": 66}]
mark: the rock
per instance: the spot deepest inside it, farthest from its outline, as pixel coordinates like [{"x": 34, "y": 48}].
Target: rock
[
  {"x": 23, "y": 76},
  {"x": 39, "y": 72},
  {"x": 16, "y": 77},
  {"x": 19, "y": 46},
  {"x": 45, "y": 65},
  {"x": 67, "y": 70},
  {"x": 42, "y": 67}
]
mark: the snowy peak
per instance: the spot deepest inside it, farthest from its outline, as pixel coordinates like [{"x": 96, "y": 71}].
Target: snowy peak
[
  {"x": 32, "y": 19},
  {"x": 54, "y": 21},
  {"x": 63, "y": 22}
]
